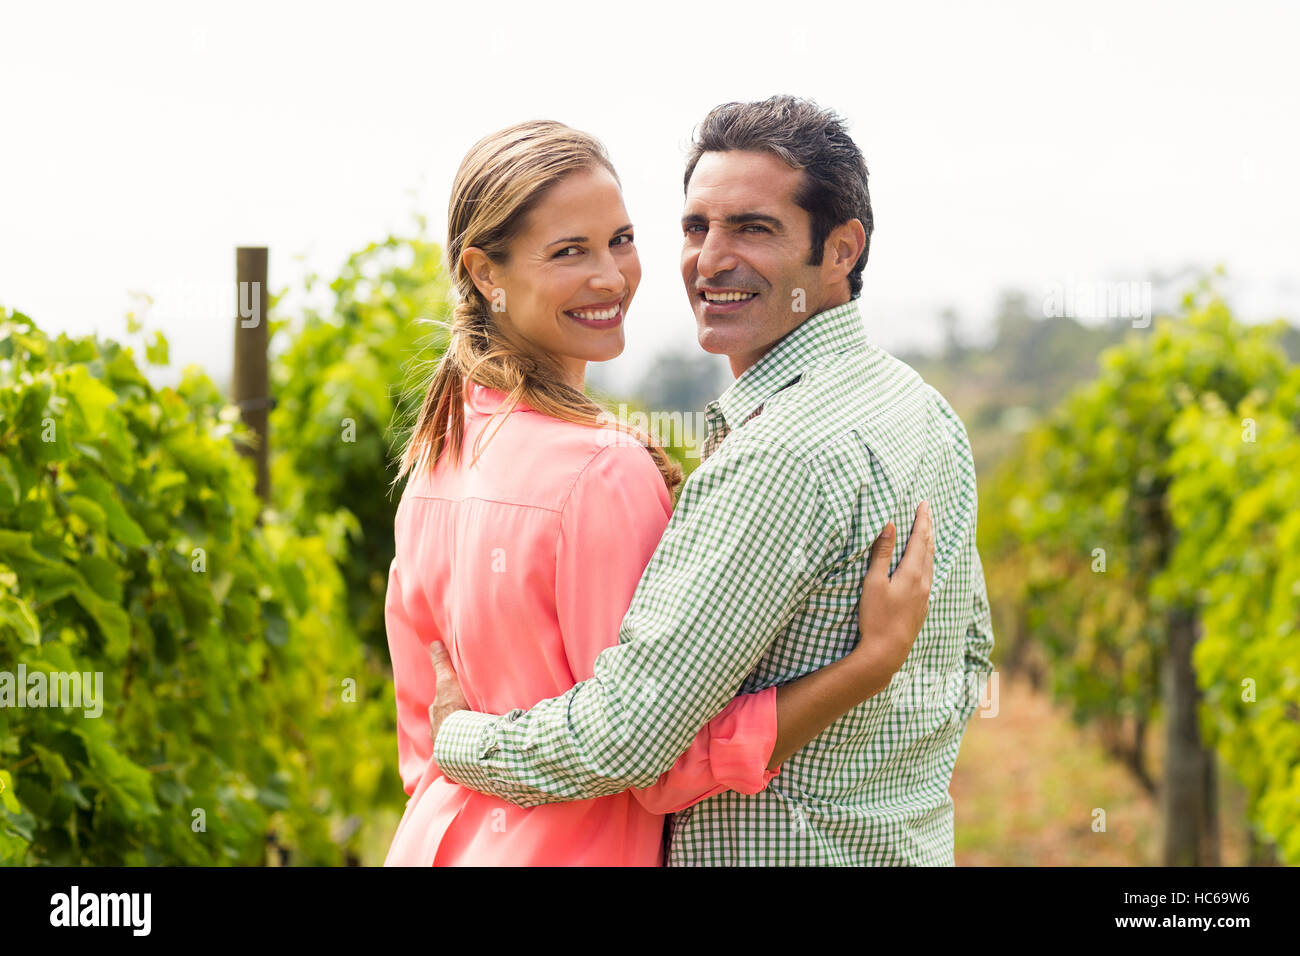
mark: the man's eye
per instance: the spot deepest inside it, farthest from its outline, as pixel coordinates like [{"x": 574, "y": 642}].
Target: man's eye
[
  {"x": 626, "y": 235},
  {"x": 691, "y": 228},
  {"x": 759, "y": 228}
]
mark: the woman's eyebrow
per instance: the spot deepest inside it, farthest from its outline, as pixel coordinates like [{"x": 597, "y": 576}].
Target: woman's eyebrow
[{"x": 586, "y": 238}]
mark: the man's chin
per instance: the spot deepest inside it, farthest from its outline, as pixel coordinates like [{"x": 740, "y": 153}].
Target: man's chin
[{"x": 711, "y": 341}]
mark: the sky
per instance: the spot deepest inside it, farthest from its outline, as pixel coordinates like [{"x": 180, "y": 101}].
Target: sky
[{"x": 1010, "y": 145}]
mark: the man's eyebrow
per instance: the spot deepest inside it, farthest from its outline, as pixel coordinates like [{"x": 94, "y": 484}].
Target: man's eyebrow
[
  {"x": 620, "y": 229},
  {"x": 738, "y": 219}
]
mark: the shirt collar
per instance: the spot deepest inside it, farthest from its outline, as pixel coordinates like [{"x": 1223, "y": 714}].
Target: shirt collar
[
  {"x": 489, "y": 401},
  {"x": 829, "y": 332}
]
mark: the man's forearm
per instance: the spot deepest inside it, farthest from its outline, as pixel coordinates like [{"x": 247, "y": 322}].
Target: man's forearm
[{"x": 578, "y": 746}]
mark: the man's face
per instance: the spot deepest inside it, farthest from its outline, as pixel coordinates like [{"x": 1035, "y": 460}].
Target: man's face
[{"x": 745, "y": 252}]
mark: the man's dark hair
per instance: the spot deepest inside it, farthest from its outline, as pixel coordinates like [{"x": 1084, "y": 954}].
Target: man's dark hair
[{"x": 808, "y": 137}]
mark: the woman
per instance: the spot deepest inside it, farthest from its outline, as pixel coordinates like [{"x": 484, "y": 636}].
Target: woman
[{"x": 528, "y": 519}]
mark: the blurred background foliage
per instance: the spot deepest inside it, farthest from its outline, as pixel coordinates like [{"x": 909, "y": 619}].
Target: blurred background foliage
[
  {"x": 346, "y": 379},
  {"x": 1141, "y": 560},
  {"x": 241, "y": 718}
]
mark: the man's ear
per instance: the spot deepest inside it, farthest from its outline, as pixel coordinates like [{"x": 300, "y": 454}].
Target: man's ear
[
  {"x": 481, "y": 269},
  {"x": 844, "y": 247}
]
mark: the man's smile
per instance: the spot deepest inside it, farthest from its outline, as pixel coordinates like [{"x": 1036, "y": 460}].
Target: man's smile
[{"x": 724, "y": 301}]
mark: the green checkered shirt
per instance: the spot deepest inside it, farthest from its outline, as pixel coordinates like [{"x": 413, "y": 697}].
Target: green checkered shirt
[{"x": 756, "y": 582}]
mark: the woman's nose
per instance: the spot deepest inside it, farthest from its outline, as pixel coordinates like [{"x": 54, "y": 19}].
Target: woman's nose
[{"x": 609, "y": 277}]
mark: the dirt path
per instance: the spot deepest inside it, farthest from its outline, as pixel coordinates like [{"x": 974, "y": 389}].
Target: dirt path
[{"x": 1027, "y": 785}]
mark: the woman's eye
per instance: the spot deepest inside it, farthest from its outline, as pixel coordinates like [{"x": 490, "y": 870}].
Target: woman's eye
[{"x": 564, "y": 253}]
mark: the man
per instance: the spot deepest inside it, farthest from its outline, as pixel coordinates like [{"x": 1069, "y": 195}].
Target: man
[{"x": 821, "y": 440}]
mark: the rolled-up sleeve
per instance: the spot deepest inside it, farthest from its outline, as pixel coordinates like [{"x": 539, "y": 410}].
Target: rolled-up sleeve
[
  {"x": 739, "y": 556},
  {"x": 731, "y": 752}
]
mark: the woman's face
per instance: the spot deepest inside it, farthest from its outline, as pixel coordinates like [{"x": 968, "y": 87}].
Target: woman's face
[{"x": 570, "y": 276}]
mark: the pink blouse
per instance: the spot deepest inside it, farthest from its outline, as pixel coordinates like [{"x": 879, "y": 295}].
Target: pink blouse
[{"x": 523, "y": 566}]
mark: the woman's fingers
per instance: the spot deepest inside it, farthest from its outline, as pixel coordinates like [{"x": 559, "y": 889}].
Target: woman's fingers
[
  {"x": 894, "y": 606},
  {"x": 882, "y": 549},
  {"x": 927, "y": 572},
  {"x": 918, "y": 556}
]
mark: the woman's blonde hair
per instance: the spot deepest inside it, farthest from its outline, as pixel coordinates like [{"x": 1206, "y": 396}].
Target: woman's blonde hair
[{"x": 499, "y": 182}]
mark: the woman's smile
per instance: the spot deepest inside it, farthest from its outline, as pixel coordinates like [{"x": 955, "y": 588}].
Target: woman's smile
[{"x": 600, "y": 315}]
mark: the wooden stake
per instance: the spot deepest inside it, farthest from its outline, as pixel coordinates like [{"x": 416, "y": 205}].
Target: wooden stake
[{"x": 250, "y": 381}]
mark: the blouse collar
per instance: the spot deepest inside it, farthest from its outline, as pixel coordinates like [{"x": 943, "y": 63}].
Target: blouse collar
[{"x": 487, "y": 401}]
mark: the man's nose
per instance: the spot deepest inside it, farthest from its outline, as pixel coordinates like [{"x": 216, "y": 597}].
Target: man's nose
[{"x": 715, "y": 255}]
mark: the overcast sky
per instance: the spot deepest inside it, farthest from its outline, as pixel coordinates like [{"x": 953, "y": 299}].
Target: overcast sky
[{"x": 1009, "y": 144}]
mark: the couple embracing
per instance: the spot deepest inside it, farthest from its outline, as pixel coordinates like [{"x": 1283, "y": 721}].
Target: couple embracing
[{"x": 588, "y": 673}]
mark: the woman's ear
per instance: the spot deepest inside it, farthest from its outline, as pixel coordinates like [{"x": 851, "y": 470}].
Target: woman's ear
[{"x": 481, "y": 269}]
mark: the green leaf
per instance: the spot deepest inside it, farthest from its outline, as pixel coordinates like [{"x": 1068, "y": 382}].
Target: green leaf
[
  {"x": 88, "y": 511},
  {"x": 52, "y": 763},
  {"x": 16, "y": 614},
  {"x": 104, "y": 577},
  {"x": 277, "y": 628},
  {"x": 156, "y": 353},
  {"x": 7, "y": 796},
  {"x": 10, "y": 491},
  {"x": 17, "y": 547},
  {"x": 120, "y": 525},
  {"x": 90, "y": 396}
]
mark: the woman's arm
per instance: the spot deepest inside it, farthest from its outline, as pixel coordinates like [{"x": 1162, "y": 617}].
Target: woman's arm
[
  {"x": 413, "y": 678},
  {"x": 890, "y": 615}
]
